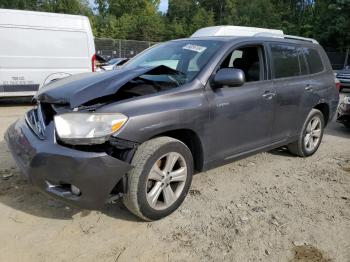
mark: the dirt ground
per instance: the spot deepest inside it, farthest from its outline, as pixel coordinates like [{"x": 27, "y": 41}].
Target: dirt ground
[{"x": 268, "y": 207}]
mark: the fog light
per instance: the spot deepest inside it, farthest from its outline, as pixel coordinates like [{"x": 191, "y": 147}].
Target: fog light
[{"x": 75, "y": 190}]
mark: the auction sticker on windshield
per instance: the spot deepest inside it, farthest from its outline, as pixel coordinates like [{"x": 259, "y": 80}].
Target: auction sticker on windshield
[{"x": 196, "y": 48}]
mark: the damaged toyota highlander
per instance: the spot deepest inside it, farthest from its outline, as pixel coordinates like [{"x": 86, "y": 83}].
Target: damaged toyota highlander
[{"x": 184, "y": 106}]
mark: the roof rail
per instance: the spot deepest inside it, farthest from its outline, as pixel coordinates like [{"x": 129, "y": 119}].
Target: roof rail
[
  {"x": 292, "y": 37},
  {"x": 237, "y": 31},
  {"x": 228, "y": 30}
]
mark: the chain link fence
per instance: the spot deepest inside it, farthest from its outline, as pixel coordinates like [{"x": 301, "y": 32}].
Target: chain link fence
[
  {"x": 338, "y": 59},
  {"x": 112, "y": 48}
]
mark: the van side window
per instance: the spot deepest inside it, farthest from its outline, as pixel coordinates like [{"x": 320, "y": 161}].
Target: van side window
[
  {"x": 285, "y": 60},
  {"x": 249, "y": 60},
  {"x": 314, "y": 60}
]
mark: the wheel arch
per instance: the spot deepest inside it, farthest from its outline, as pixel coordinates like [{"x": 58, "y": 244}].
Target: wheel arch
[
  {"x": 324, "y": 108},
  {"x": 191, "y": 139}
]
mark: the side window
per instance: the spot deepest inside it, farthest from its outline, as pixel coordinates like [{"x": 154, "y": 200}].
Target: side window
[
  {"x": 249, "y": 60},
  {"x": 302, "y": 61},
  {"x": 285, "y": 59},
  {"x": 314, "y": 60}
]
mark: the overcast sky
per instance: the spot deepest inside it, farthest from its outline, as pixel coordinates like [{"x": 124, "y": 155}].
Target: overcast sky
[{"x": 163, "y": 5}]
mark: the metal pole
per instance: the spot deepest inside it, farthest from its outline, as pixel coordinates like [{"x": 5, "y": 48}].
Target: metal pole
[{"x": 346, "y": 57}]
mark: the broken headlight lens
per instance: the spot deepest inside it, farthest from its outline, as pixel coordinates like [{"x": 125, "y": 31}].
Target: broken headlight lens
[{"x": 88, "y": 128}]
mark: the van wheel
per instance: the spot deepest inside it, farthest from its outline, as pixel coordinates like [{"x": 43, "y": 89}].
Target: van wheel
[
  {"x": 160, "y": 179},
  {"x": 311, "y": 135}
]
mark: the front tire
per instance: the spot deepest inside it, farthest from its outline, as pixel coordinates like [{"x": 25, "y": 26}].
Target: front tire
[
  {"x": 311, "y": 135},
  {"x": 160, "y": 179}
]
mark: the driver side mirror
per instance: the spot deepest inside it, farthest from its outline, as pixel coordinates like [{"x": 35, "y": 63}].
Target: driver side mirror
[{"x": 229, "y": 77}]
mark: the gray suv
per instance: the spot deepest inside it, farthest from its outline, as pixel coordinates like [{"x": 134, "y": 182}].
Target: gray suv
[{"x": 184, "y": 106}]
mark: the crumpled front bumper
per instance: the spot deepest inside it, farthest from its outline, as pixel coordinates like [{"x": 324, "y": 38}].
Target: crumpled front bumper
[{"x": 53, "y": 168}]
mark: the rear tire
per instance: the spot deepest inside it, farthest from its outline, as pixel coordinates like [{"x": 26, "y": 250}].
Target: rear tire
[
  {"x": 160, "y": 179},
  {"x": 311, "y": 135}
]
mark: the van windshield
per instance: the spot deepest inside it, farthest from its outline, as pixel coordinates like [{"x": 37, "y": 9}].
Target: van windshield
[{"x": 188, "y": 57}]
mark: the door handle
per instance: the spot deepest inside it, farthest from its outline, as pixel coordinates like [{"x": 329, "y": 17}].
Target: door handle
[
  {"x": 308, "y": 88},
  {"x": 269, "y": 95}
]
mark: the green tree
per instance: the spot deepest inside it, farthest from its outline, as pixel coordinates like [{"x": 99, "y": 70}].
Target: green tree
[
  {"x": 19, "y": 4},
  {"x": 326, "y": 20},
  {"x": 332, "y": 23},
  {"x": 78, "y": 7},
  {"x": 202, "y": 18},
  {"x": 179, "y": 9},
  {"x": 258, "y": 13},
  {"x": 57, "y": 6},
  {"x": 138, "y": 19}
]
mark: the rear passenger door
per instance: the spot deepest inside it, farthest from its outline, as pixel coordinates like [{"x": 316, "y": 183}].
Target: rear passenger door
[
  {"x": 320, "y": 82},
  {"x": 291, "y": 81}
]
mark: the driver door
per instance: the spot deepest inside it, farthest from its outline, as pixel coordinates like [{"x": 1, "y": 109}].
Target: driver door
[{"x": 242, "y": 117}]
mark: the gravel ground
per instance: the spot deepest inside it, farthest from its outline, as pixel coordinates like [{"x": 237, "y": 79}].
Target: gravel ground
[{"x": 268, "y": 207}]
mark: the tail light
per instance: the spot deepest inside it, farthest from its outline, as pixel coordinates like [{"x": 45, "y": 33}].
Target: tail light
[
  {"x": 93, "y": 61},
  {"x": 337, "y": 83}
]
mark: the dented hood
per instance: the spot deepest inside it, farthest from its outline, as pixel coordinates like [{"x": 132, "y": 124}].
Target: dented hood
[{"x": 80, "y": 89}]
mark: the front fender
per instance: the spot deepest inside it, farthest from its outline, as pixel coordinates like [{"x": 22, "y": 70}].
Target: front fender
[{"x": 184, "y": 108}]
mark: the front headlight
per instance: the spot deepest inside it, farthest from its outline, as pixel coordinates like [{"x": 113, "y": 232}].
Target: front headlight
[{"x": 88, "y": 128}]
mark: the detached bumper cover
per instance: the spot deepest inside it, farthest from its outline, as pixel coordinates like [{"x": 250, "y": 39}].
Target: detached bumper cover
[
  {"x": 343, "y": 114},
  {"x": 52, "y": 167}
]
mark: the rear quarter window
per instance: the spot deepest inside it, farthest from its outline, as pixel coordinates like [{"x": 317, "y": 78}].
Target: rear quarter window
[
  {"x": 314, "y": 60},
  {"x": 285, "y": 60}
]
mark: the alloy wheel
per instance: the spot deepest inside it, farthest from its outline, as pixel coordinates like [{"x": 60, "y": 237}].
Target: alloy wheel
[
  {"x": 313, "y": 134},
  {"x": 166, "y": 181}
]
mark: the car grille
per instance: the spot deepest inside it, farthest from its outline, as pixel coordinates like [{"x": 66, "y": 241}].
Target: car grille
[
  {"x": 35, "y": 121},
  {"x": 38, "y": 118}
]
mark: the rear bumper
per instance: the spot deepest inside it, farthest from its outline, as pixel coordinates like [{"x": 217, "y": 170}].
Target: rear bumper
[{"x": 53, "y": 168}]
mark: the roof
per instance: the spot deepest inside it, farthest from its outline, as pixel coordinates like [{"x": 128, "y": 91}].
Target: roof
[
  {"x": 237, "y": 39},
  {"x": 234, "y": 31},
  {"x": 9, "y": 17},
  {"x": 242, "y": 31}
]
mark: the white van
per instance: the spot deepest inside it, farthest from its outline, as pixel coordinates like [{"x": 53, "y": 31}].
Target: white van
[{"x": 37, "y": 48}]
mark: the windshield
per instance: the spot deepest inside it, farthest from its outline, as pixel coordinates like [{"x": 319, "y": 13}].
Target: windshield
[{"x": 188, "y": 57}]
